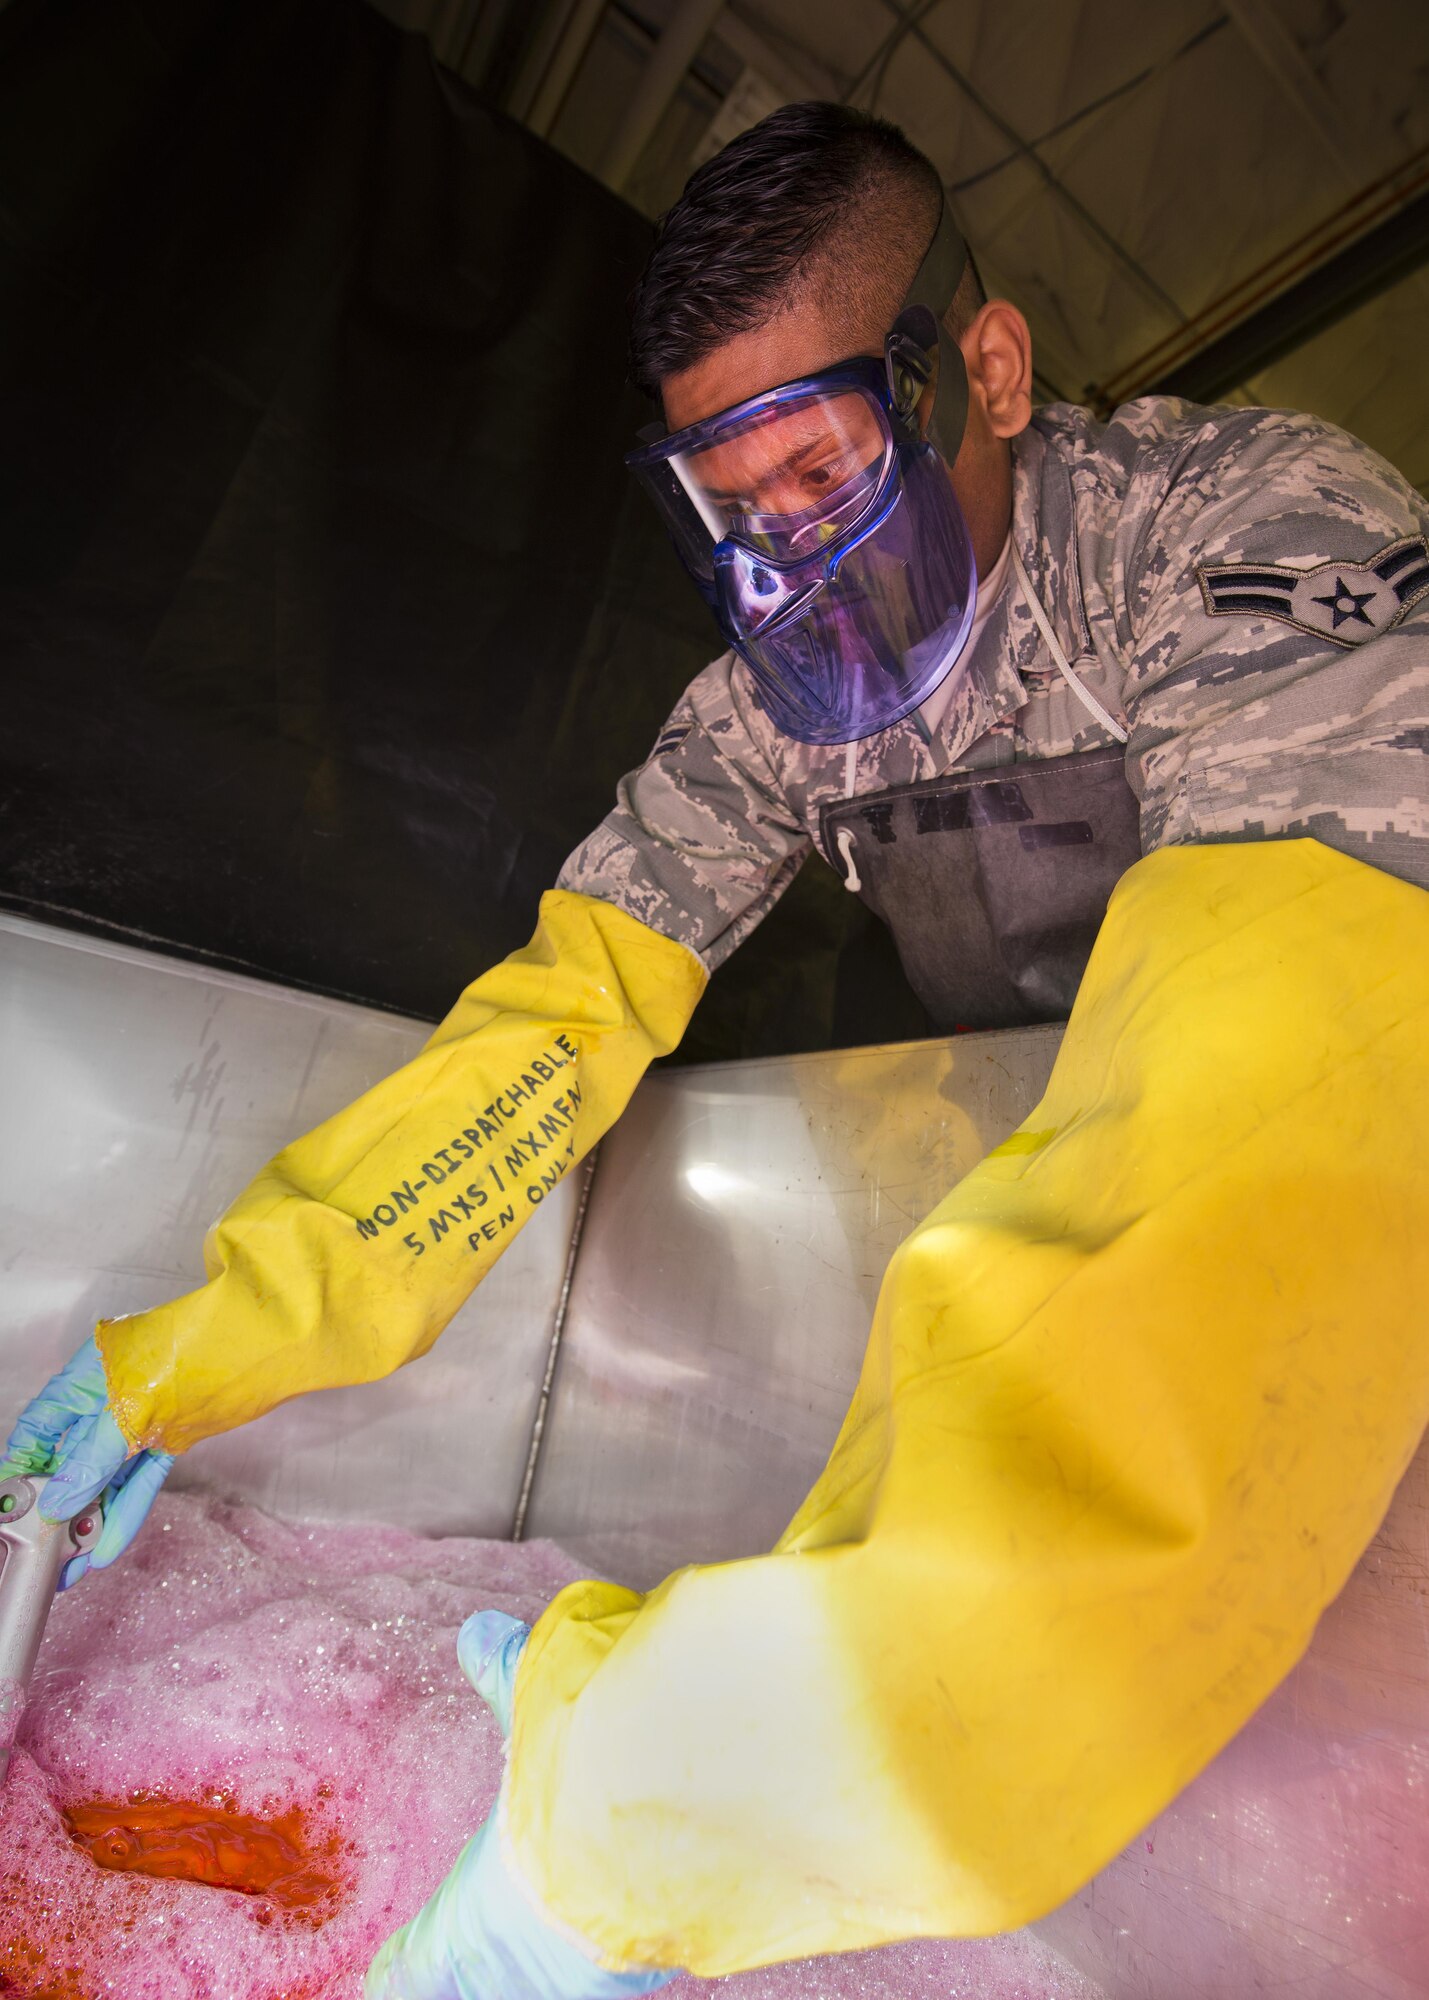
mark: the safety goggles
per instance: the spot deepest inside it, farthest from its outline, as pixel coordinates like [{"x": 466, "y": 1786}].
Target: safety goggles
[
  {"x": 821, "y": 526},
  {"x": 795, "y": 472}
]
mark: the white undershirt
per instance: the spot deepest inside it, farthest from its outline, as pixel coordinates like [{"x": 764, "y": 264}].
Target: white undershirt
[{"x": 990, "y": 590}]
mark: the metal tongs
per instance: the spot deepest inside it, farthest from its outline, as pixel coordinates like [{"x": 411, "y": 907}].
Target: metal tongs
[{"x": 33, "y": 1551}]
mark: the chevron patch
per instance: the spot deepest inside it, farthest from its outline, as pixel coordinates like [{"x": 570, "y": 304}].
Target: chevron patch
[{"x": 1344, "y": 602}]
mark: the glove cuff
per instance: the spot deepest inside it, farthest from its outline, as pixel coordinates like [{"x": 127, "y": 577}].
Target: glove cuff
[
  {"x": 489, "y": 1647},
  {"x": 566, "y": 1957}
]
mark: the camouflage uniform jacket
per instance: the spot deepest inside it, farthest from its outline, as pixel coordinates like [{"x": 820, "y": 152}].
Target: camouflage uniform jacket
[{"x": 1247, "y": 589}]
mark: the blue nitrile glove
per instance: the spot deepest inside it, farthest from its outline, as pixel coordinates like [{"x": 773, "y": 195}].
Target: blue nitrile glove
[
  {"x": 479, "y": 1937},
  {"x": 69, "y": 1436}
]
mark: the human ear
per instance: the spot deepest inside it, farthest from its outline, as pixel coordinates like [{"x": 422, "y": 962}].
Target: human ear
[{"x": 997, "y": 351}]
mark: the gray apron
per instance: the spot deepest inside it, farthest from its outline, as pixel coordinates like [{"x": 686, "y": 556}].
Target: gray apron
[{"x": 994, "y": 883}]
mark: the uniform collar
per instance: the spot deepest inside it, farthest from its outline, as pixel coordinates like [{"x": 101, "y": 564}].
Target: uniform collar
[
  {"x": 1011, "y": 649},
  {"x": 1010, "y": 646},
  {"x": 1044, "y": 528}
]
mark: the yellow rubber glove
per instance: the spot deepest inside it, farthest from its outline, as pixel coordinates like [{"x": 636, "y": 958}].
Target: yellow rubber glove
[
  {"x": 353, "y": 1248},
  {"x": 1137, "y": 1395}
]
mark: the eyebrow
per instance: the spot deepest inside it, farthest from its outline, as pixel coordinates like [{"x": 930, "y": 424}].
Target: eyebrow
[{"x": 791, "y": 459}]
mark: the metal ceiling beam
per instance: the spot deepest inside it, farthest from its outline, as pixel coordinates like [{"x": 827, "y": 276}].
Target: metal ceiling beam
[
  {"x": 545, "y": 42},
  {"x": 1380, "y": 258},
  {"x": 566, "y": 59},
  {"x": 792, "y": 68},
  {"x": 665, "y": 68}
]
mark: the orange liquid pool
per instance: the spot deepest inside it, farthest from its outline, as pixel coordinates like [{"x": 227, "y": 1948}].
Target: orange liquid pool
[
  {"x": 281, "y": 1860},
  {"x": 251, "y": 1755},
  {"x": 215, "y": 1844}
]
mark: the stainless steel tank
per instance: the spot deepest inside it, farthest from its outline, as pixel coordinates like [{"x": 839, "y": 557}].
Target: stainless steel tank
[{"x": 656, "y": 1376}]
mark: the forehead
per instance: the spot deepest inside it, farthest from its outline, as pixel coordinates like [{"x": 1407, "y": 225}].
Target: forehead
[{"x": 797, "y": 342}]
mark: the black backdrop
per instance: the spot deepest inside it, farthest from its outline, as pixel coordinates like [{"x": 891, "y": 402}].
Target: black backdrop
[{"x": 328, "y": 617}]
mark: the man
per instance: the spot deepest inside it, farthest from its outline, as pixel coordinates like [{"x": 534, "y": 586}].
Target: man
[{"x": 1138, "y": 1391}]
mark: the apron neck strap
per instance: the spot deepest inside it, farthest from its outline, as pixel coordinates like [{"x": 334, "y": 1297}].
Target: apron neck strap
[{"x": 1054, "y": 647}]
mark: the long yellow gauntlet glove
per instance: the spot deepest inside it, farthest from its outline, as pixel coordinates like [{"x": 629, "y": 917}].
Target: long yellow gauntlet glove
[
  {"x": 353, "y": 1248},
  {"x": 1137, "y": 1395}
]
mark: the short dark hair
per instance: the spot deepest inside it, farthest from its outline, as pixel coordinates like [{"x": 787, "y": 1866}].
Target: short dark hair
[{"x": 757, "y": 221}]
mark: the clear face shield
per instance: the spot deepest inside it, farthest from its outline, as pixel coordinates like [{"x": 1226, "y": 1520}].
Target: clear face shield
[{"x": 819, "y": 523}]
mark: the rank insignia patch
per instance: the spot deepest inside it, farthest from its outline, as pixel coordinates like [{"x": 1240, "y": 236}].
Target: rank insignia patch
[{"x": 1346, "y": 602}]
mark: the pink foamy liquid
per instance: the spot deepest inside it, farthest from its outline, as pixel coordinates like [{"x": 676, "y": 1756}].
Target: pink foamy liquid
[{"x": 277, "y": 1666}]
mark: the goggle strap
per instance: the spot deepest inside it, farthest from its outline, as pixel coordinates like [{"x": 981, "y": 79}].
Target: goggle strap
[
  {"x": 933, "y": 289},
  {"x": 937, "y": 278}
]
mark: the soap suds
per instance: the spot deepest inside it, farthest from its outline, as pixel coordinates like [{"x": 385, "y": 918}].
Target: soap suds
[{"x": 300, "y": 1685}]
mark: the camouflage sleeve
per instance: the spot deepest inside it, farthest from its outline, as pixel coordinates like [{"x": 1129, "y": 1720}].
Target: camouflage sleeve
[
  {"x": 1276, "y": 600},
  {"x": 701, "y": 842}
]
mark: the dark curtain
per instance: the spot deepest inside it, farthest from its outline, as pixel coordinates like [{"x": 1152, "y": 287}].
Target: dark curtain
[{"x": 328, "y": 615}]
